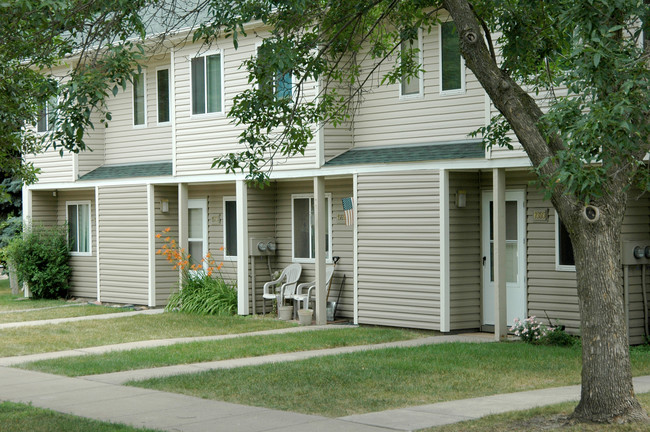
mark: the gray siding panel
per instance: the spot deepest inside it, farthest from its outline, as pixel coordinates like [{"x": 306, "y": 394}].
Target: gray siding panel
[
  {"x": 398, "y": 249},
  {"x": 166, "y": 277}
]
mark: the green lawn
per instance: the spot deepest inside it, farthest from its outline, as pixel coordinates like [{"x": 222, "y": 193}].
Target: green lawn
[
  {"x": 48, "y": 338},
  {"x": 393, "y": 378},
  {"x": 24, "y": 418},
  {"x": 66, "y": 311},
  {"x": 195, "y": 352},
  {"x": 10, "y": 302},
  {"x": 541, "y": 419}
]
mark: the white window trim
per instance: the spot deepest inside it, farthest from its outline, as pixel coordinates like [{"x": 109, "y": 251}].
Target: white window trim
[
  {"x": 205, "y": 71},
  {"x": 169, "y": 90},
  {"x": 558, "y": 266},
  {"x": 199, "y": 203},
  {"x": 225, "y": 256},
  {"x": 48, "y": 111},
  {"x": 420, "y": 77},
  {"x": 328, "y": 204},
  {"x": 143, "y": 74},
  {"x": 463, "y": 70},
  {"x": 90, "y": 228}
]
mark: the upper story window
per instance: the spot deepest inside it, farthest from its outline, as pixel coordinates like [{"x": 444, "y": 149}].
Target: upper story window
[
  {"x": 412, "y": 86},
  {"x": 45, "y": 121},
  {"x": 564, "y": 258},
  {"x": 139, "y": 100},
  {"x": 162, "y": 95},
  {"x": 304, "y": 230},
  {"x": 452, "y": 67},
  {"x": 281, "y": 84},
  {"x": 230, "y": 227},
  {"x": 79, "y": 234},
  {"x": 207, "y": 84}
]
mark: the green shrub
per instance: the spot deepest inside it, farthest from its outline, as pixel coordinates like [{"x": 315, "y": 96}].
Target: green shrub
[
  {"x": 40, "y": 257},
  {"x": 202, "y": 294},
  {"x": 556, "y": 336}
]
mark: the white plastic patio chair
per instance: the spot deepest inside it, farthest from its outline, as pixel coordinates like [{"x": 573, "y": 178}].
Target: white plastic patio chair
[
  {"x": 284, "y": 287},
  {"x": 309, "y": 288}
]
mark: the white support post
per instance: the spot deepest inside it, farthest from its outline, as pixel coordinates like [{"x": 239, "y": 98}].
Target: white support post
[
  {"x": 320, "y": 227},
  {"x": 27, "y": 219},
  {"x": 499, "y": 229},
  {"x": 151, "y": 244},
  {"x": 445, "y": 306},
  {"x": 355, "y": 194},
  {"x": 97, "y": 237},
  {"x": 183, "y": 233},
  {"x": 242, "y": 248}
]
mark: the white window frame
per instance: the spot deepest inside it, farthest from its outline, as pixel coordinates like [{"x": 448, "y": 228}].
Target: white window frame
[
  {"x": 169, "y": 92},
  {"x": 143, "y": 74},
  {"x": 225, "y": 250},
  {"x": 558, "y": 266},
  {"x": 90, "y": 229},
  {"x": 49, "y": 108},
  {"x": 420, "y": 76},
  {"x": 328, "y": 204},
  {"x": 221, "y": 112},
  {"x": 463, "y": 71},
  {"x": 199, "y": 203}
]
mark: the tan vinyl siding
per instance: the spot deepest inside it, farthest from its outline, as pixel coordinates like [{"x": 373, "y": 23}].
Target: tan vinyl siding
[
  {"x": 44, "y": 208},
  {"x": 166, "y": 276},
  {"x": 337, "y": 139},
  {"x": 342, "y": 238},
  {"x": 54, "y": 167},
  {"x": 399, "y": 249},
  {"x": 262, "y": 207},
  {"x": 123, "y": 244},
  {"x": 465, "y": 252},
  {"x": 83, "y": 282},
  {"x": 383, "y": 118},
  {"x": 94, "y": 156},
  {"x": 202, "y": 137},
  {"x": 126, "y": 143}
]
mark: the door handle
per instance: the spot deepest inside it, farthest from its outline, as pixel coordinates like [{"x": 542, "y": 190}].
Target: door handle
[{"x": 484, "y": 259}]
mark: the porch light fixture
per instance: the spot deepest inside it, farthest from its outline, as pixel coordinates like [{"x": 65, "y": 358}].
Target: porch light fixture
[
  {"x": 461, "y": 198},
  {"x": 164, "y": 206}
]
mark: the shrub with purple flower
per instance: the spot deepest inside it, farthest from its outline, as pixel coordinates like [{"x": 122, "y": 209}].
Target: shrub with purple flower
[{"x": 529, "y": 330}]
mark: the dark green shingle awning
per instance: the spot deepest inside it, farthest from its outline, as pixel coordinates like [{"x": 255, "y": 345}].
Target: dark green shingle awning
[
  {"x": 410, "y": 153},
  {"x": 153, "y": 169}
]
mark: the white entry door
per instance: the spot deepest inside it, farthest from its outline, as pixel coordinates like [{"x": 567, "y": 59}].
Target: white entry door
[{"x": 515, "y": 257}]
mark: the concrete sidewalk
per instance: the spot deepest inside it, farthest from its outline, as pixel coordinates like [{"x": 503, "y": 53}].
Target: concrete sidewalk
[{"x": 174, "y": 412}]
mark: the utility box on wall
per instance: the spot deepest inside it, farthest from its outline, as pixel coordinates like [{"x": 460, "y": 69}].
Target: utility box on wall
[
  {"x": 262, "y": 246},
  {"x": 635, "y": 252}
]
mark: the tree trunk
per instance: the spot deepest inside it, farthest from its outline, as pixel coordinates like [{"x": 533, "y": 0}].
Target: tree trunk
[{"x": 607, "y": 394}]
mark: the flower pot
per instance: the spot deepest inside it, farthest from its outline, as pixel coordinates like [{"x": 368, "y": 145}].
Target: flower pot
[
  {"x": 304, "y": 316},
  {"x": 285, "y": 312}
]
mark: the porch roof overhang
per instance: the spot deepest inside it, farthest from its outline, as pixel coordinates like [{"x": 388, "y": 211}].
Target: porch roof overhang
[
  {"x": 148, "y": 169},
  {"x": 470, "y": 149}
]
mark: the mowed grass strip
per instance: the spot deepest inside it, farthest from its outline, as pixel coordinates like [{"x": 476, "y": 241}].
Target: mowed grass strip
[
  {"x": 195, "y": 352},
  {"x": 60, "y": 337},
  {"x": 66, "y": 311},
  {"x": 547, "y": 418},
  {"x": 9, "y": 302},
  {"x": 24, "y": 418},
  {"x": 363, "y": 382}
]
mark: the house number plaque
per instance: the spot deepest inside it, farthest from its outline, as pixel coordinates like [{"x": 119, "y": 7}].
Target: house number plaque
[{"x": 540, "y": 215}]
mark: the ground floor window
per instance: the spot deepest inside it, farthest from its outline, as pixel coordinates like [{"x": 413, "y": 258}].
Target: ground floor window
[
  {"x": 304, "y": 229},
  {"x": 563, "y": 247},
  {"x": 197, "y": 230},
  {"x": 79, "y": 234},
  {"x": 230, "y": 227}
]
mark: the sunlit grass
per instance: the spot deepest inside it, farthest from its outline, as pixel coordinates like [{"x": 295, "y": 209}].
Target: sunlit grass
[
  {"x": 10, "y": 302},
  {"x": 392, "y": 378},
  {"x": 542, "y": 419},
  {"x": 195, "y": 352},
  {"x": 48, "y": 338},
  {"x": 69, "y": 311},
  {"x": 24, "y": 418}
]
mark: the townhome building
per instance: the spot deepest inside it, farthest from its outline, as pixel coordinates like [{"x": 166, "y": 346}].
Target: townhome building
[{"x": 414, "y": 239}]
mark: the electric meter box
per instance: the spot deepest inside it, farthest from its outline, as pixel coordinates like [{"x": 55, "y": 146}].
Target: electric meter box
[
  {"x": 262, "y": 246},
  {"x": 634, "y": 252}
]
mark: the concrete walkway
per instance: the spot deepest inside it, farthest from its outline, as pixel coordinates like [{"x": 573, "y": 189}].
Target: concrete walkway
[{"x": 102, "y": 397}]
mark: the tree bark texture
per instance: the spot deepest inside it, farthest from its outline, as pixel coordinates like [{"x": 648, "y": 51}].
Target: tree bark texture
[{"x": 607, "y": 391}]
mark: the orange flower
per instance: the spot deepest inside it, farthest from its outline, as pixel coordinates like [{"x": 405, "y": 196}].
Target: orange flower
[
  {"x": 221, "y": 248},
  {"x": 160, "y": 235},
  {"x": 167, "y": 239},
  {"x": 167, "y": 229}
]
